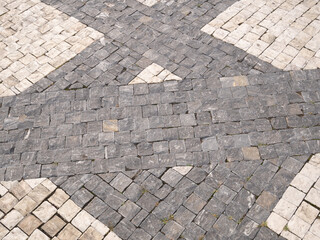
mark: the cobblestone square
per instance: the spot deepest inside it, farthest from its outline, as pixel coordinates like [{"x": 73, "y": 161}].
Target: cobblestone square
[{"x": 159, "y": 119}]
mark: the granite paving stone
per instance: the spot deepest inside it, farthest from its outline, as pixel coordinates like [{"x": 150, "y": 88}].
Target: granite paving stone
[{"x": 159, "y": 119}]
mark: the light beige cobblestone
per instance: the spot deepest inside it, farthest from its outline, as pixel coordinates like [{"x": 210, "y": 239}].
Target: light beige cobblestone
[
  {"x": 285, "y": 34},
  {"x": 298, "y": 210},
  {"x": 154, "y": 73},
  {"x": 38, "y": 40},
  {"x": 37, "y": 216}
]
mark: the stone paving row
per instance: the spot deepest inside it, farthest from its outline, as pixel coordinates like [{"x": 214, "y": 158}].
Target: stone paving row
[
  {"x": 283, "y": 33},
  {"x": 37, "y": 209},
  {"x": 205, "y": 157},
  {"x": 35, "y": 39},
  {"x": 251, "y": 150},
  {"x": 158, "y": 125}
]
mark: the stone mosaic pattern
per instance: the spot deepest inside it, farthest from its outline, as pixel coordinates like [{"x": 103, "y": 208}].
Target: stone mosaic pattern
[
  {"x": 206, "y": 157},
  {"x": 36, "y": 39},
  {"x": 37, "y": 209},
  {"x": 154, "y": 74},
  {"x": 283, "y": 33},
  {"x": 296, "y": 216}
]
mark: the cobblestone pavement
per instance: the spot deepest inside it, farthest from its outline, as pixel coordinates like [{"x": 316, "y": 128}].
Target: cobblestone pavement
[{"x": 159, "y": 130}]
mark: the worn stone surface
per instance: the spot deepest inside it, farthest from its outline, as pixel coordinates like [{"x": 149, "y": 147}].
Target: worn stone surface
[
  {"x": 43, "y": 219},
  {"x": 205, "y": 157}
]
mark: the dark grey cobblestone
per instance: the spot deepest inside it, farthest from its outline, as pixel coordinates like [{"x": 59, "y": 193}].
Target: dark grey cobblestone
[{"x": 245, "y": 144}]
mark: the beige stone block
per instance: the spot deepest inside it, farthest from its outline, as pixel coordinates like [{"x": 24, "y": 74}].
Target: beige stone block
[
  {"x": 37, "y": 51},
  {"x": 145, "y": 75},
  {"x": 5, "y": 74},
  {"x": 12, "y": 219},
  {"x": 53, "y": 53},
  {"x": 154, "y": 79},
  {"x": 46, "y": 69},
  {"x": 38, "y": 235},
  {"x": 62, "y": 46},
  {"x": 26, "y": 205},
  {"x": 49, "y": 185},
  {"x": 7, "y": 202},
  {"x": 112, "y": 236},
  {"x": 243, "y": 44},
  {"x": 276, "y": 223},
  {"x": 288, "y": 235},
  {"x": 137, "y": 80},
  {"x": 100, "y": 227},
  {"x": 315, "y": 228},
  {"x": 208, "y": 29},
  {"x": 3, "y": 190},
  {"x": 257, "y": 48},
  {"x": 58, "y": 198},
  {"x": 251, "y": 37},
  {"x": 5, "y": 62},
  {"x": 53, "y": 226},
  {"x": 23, "y": 85},
  {"x": 251, "y": 153},
  {"x": 34, "y": 182},
  {"x": 315, "y": 160},
  {"x": 302, "y": 182},
  {"x": 240, "y": 81},
  {"x": 16, "y": 234},
  {"x": 310, "y": 236},
  {"x": 172, "y": 77},
  {"x": 35, "y": 77},
  {"x": 96, "y": 35},
  {"x": 29, "y": 224},
  {"x": 154, "y": 69},
  {"x": 69, "y": 232},
  {"x": 45, "y": 211},
  {"x": 77, "y": 48},
  {"x": 91, "y": 234},
  {"x": 163, "y": 74},
  {"x": 182, "y": 170},
  {"x": 43, "y": 60},
  {"x": 27, "y": 59},
  {"x": 3, "y": 231},
  {"x": 110, "y": 126},
  {"x": 298, "y": 226},
  {"x": 216, "y": 23},
  {"x": 231, "y": 40},
  {"x": 57, "y": 61},
  {"x": 310, "y": 171},
  {"x": 67, "y": 54},
  {"x": 307, "y": 212},
  {"x": 220, "y": 33},
  {"x": 293, "y": 196},
  {"x": 285, "y": 209},
  {"x": 83, "y": 220},
  {"x": 150, "y": 3},
  {"x": 39, "y": 193},
  {"x": 314, "y": 197},
  {"x": 298, "y": 62},
  {"x": 7, "y": 92},
  {"x": 284, "y": 58},
  {"x": 15, "y": 56},
  {"x": 291, "y": 51},
  {"x": 86, "y": 41},
  {"x": 69, "y": 210},
  {"x": 317, "y": 185}
]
